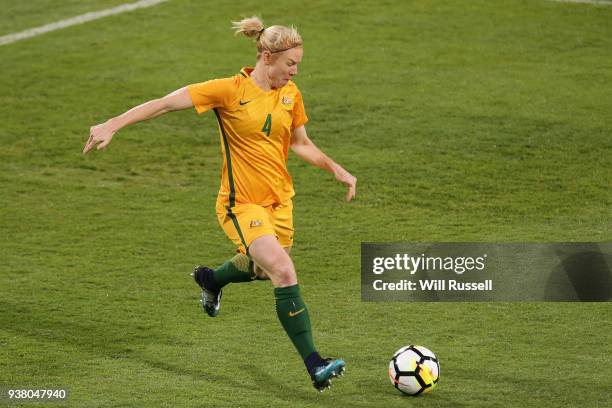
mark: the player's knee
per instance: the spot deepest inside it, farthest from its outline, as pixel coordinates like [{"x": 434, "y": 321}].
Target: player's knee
[
  {"x": 274, "y": 260},
  {"x": 284, "y": 273}
]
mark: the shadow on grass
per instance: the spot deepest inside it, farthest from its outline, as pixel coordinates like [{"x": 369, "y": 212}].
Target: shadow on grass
[
  {"x": 123, "y": 342},
  {"x": 116, "y": 342},
  {"x": 382, "y": 390}
]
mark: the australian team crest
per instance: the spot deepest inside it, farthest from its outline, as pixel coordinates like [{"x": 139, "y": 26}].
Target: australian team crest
[{"x": 287, "y": 100}]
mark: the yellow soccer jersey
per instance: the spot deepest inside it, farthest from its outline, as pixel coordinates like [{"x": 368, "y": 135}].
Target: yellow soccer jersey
[{"x": 255, "y": 130}]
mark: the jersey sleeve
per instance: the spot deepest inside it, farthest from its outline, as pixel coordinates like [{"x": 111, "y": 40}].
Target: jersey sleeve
[
  {"x": 215, "y": 93},
  {"x": 299, "y": 112}
]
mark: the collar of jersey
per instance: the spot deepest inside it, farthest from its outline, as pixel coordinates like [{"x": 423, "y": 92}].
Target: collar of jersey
[{"x": 246, "y": 72}]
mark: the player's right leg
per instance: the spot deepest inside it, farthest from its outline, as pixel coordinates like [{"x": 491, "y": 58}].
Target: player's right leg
[
  {"x": 242, "y": 223},
  {"x": 237, "y": 269}
]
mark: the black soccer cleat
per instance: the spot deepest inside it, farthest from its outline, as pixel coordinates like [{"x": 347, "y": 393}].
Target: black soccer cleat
[
  {"x": 211, "y": 301},
  {"x": 322, "y": 375}
]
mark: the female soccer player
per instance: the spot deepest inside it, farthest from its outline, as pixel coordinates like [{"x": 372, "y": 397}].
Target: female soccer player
[{"x": 261, "y": 115}]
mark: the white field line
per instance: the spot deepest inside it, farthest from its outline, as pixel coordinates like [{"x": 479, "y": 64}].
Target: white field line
[
  {"x": 594, "y": 2},
  {"x": 83, "y": 18}
]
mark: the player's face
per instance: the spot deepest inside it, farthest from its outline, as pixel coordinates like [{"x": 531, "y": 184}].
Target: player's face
[{"x": 284, "y": 66}]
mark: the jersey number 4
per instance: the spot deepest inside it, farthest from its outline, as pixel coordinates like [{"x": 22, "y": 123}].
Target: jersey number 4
[{"x": 268, "y": 125}]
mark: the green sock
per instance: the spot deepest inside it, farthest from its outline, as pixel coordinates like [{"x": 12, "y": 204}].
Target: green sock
[
  {"x": 293, "y": 315},
  {"x": 237, "y": 269}
]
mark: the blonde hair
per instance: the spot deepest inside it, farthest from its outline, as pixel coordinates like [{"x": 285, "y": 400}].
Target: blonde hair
[{"x": 274, "y": 39}]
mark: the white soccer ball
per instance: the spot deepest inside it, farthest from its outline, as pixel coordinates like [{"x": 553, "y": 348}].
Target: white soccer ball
[{"x": 414, "y": 370}]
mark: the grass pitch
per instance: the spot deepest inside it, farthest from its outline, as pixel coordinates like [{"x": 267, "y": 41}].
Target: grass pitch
[{"x": 478, "y": 121}]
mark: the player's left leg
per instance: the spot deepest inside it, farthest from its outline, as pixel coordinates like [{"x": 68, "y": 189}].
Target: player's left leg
[
  {"x": 291, "y": 309},
  {"x": 281, "y": 216},
  {"x": 253, "y": 221}
]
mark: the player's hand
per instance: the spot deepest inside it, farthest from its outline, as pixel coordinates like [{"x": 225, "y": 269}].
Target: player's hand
[
  {"x": 348, "y": 180},
  {"x": 99, "y": 136}
]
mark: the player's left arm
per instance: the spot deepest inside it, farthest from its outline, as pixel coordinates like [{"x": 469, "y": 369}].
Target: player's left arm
[{"x": 304, "y": 148}]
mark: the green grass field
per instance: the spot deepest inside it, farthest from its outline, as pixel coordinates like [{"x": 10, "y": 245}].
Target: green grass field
[{"x": 463, "y": 121}]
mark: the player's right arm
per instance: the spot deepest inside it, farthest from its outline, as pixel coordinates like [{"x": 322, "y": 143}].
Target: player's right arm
[{"x": 102, "y": 134}]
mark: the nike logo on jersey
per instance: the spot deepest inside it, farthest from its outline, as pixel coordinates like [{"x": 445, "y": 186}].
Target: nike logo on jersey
[
  {"x": 293, "y": 314},
  {"x": 245, "y": 102}
]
